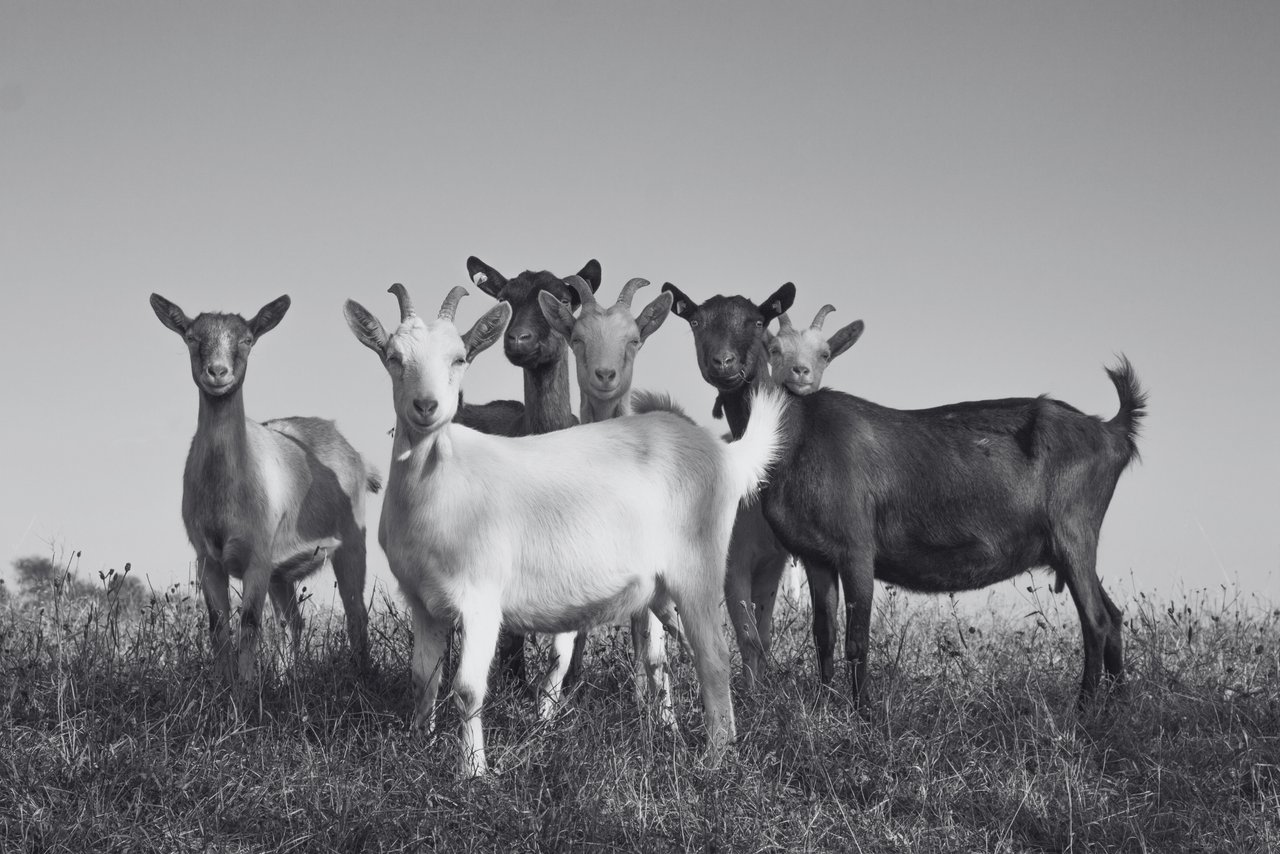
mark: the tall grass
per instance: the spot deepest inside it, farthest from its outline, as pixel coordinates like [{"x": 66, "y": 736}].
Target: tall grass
[{"x": 114, "y": 735}]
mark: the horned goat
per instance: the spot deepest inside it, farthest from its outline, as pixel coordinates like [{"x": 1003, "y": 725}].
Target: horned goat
[
  {"x": 604, "y": 341},
  {"x": 265, "y": 503},
  {"x": 799, "y": 356},
  {"x": 549, "y": 533}
]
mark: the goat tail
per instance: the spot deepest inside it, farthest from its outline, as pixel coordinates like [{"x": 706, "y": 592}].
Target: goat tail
[
  {"x": 1133, "y": 403},
  {"x": 752, "y": 456},
  {"x": 373, "y": 481}
]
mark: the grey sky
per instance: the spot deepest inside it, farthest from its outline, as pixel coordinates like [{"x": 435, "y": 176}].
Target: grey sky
[{"x": 1007, "y": 193}]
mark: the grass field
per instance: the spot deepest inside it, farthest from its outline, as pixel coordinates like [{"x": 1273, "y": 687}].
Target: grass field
[{"x": 115, "y": 736}]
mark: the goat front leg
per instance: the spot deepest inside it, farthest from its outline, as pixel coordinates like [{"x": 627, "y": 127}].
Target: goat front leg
[
  {"x": 430, "y": 640},
  {"x": 857, "y": 575},
  {"x": 481, "y": 620},
  {"x": 551, "y": 689},
  {"x": 217, "y": 598},
  {"x": 255, "y": 584},
  {"x": 824, "y": 589}
]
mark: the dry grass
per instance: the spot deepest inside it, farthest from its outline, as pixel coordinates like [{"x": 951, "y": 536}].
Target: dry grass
[{"x": 114, "y": 736}]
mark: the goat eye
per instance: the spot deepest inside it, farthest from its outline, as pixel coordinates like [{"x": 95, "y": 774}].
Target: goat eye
[
  {"x": 247, "y": 342},
  {"x": 693, "y": 324},
  {"x": 459, "y": 362},
  {"x": 759, "y": 324}
]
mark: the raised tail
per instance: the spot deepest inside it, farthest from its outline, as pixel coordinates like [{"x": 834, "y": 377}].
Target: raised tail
[
  {"x": 1133, "y": 404},
  {"x": 752, "y": 456}
]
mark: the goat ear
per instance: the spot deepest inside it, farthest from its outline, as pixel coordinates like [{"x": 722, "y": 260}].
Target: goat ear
[
  {"x": 845, "y": 338},
  {"x": 493, "y": 281},
  {"x": 268, "y": 316},
  {"x": 487, "y": 330},
  {"x": 778, "y": 302},
  {"x": 654, "y": 314},
  {"x": 365, "y": 326},
  {"x": 170, "y": 315},
  {"x": 591, "y": 274},
  {"x": 680, "y": 304},
  {"x": 559, "y": 315}
]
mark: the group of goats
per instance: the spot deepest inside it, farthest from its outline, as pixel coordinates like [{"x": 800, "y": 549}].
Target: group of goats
[{"x": 508, "y": 518}]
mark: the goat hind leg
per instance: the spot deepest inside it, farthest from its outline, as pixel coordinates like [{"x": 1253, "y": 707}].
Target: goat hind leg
[
  {"x": 551, "y": 689},
  {"x": 284, "y": 599},
  {"x": 1077, "y": 567},
  {"x": 349, "y": 571},
  {"x": 649, "y": 641},
  {"x": 711, "y": 661}
]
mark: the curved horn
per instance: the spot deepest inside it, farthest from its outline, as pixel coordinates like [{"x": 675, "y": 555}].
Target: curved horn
[
  {"x": 784, "y": 323},
  {"x": 629, "y": 291},
  {"x": 450, "y": 304},
  {"x": 821, "y": 316},
  {"x": 402, "y": 297},
  {"x": 584, "y": 290}
]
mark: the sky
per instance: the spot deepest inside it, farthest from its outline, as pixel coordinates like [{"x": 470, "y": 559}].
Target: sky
[{"x": 1009, "y": 194}]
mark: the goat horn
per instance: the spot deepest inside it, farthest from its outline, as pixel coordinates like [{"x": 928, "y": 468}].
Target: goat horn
[
  {"x": 450, "y": 304},
  {"x": 629, "y": 291},
  {"x": 402, "y": 297},
  {"x": 784, "y": 323},
  {"x": 821, "y": 316},
  {"x": 584, "y": 290}
]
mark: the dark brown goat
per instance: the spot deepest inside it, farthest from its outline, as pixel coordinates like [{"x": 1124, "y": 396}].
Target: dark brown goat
[
  {"x": 542, "y": 353},
  {"x": 729, "y": 338}
]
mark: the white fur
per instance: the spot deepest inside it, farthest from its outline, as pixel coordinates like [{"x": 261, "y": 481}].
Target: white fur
[{"x": 556, "y": 532}]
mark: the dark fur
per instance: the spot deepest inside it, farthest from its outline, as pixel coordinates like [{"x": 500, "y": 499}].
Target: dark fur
[
  {"x": 729, "y": 340},
  {"x": 532, "y": 345},
  {"x": 951, "y": 498}
]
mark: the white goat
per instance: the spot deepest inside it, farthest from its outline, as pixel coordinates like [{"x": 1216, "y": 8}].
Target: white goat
[
  {"x": 549, "y": 533},
  {"x": 798, "y": 357},
  {"x": 605, "y": 341},
  {"x": 265, "y": 502}
]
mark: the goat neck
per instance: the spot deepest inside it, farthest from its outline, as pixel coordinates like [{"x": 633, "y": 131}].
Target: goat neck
[
  {"x": 594, "y": 410},
  {"x": 546, "y": 397},
  {"x": 220, "y": 426},
  {"x": 736, "y": 404}
]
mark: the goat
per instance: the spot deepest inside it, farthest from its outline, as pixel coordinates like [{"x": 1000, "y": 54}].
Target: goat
[
  {"x": 947, "y": 499},
  {"x": 554, "y": 532},
  {"x": 729, "y": 336},
  {"x": 266, "y": 502},
  {"x": 605, "y": 341},
  {"x": 532, "y": 345},
  {"x": 798, "y": 357}
]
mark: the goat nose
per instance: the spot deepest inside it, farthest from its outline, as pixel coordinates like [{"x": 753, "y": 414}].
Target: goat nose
[
  {"x": 217, "y": 371},
  {"x": 800, "y": 370},
  {"x": 724, "y": 361},
  {"x": 606, "y": 375},
  {"x": 425, "y": 406},
  {"x": 519, "y": 336}
]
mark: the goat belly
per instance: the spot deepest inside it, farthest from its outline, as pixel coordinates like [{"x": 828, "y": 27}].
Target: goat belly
[{"x": 560, "y": 607}]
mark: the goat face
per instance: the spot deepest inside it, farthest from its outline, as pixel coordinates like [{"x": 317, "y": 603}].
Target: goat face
[
  {"x": 219, "y": 344},
  {"x": 798, "y": 357},
  {"x": 605, "y": 340},
  {"x": 426, "y": 359},
  {"x": 728, "y": 332},
  {"x": 530, "y": 341}
]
